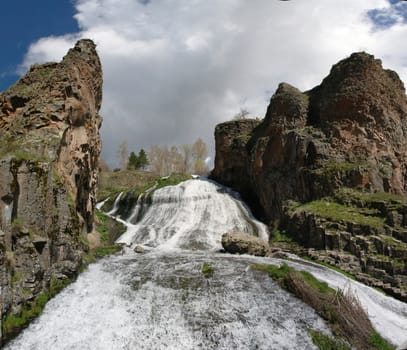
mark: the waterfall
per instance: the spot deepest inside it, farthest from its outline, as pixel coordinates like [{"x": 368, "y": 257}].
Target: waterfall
[
  {"x": 192, "y": 215},
  {"x": 138, "y": 209},
  {"x": 102, "y": 203},
  {"x": 115, "y": 204},
  {"x": 162, "y": 300}
]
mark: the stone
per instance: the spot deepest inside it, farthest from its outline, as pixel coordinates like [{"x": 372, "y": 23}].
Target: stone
[
  {"x": 49, "y": 155},
  {"x": 345, "y": 137},
  {"x": 350, "y": 131},
  {"x": 244, "y": 243},
  {"x": 232, "y": 160},
  {"x": 139, "y": 249}
]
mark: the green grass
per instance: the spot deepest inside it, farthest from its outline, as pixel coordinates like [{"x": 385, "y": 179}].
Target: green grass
[
  {"x": 326, "y": 342},
  {"x": 172, "y": 180},
  {"x": 100, "y": 252},
  {"x": 316, "y": 284},
  {"x": 332, "y": 267},
  {"x": 333, "y": 168},
  {"x": 394, "y": 243},
  {"x": 102, "y": 226},
  {"x": 346, "y": 194},
  {"x": 29, "y": 156},
  {"x": 11, "y": 324},
  {"x": 335, "y": 211},
  {"x": 379, "y": 343},
  {"x": 279, "y": 273},
  {"x": 207, "y": 270},
  {"x": 342, "y": 311},
  {"x": 16, "y": 277},
  {"x": 278, "y": 236}
]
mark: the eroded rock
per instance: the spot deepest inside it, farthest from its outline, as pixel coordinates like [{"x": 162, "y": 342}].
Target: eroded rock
[
  {"x": 49, "y": 153},
  {"x": 345, "y": 139},
  {"x": 244, "y": 243}
]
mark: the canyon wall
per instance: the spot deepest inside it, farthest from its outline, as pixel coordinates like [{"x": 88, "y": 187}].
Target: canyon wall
[
  {"x": 49, "y": 154},
  {"x": 329, "y": 166}
]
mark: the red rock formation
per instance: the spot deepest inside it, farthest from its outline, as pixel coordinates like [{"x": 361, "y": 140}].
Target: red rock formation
[
  {"x": 346, "y": 139},
  {"x": 49, "y": 152},
  {"x": 349, "y": 131}
]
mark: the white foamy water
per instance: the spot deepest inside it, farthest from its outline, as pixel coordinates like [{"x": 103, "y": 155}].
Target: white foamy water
[
  {"x": 191, "y": 215},
  {"x": 115, "y": 204},
  {"x": 161, "y": 299},
  {"x": 388, "y": 315}
]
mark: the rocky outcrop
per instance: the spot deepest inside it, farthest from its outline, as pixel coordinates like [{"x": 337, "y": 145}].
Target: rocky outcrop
[
  {"x": 346, "y": 139},
  {"x": 349, "y": 131},
  {"x": 49, "y": 152},
  {"x": 244, "y": 243},
  {"x": 232, "y": 160}
]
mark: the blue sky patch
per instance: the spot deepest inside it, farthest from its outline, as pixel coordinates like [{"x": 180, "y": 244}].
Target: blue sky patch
[
  {"x": 24, "y": 22},
  {"x": 384, "y": 18}
]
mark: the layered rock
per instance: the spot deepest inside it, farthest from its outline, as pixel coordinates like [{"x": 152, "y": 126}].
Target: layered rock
[
  {"x": 344, "y": 138},
  {"x": 49, "y": 152}
]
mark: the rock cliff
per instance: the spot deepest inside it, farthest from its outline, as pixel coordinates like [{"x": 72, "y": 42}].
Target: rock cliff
[
  {"x": 329, "y": 165},
  {"x": 49, "y": 154}
]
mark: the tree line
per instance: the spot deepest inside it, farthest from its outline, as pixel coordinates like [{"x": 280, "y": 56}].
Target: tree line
[
  {"x": 187, "y": 158},
  {"x": 164, "y": 160}
]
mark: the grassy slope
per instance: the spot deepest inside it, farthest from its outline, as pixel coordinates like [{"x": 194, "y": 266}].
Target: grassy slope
[{"x": 341, "y": 310}]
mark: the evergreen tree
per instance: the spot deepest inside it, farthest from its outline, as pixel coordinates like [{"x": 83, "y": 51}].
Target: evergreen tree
[
  {"x": 142, "y": 159},
  {"x": 133, "y": 162}
]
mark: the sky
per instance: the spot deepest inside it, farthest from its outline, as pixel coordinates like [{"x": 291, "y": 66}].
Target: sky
[{"x": 173, "y": 69}]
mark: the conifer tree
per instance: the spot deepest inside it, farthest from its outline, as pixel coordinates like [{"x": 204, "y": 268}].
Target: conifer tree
[{"x": 142, "y": 159}]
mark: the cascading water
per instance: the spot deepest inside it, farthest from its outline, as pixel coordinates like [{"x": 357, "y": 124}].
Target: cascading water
[
  {"x": 162, "y": 300},
  {"x": 115, "y": 204},
  {"x": 192, "y": 215}
]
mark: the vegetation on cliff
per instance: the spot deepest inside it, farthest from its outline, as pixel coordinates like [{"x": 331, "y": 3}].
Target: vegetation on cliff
[
  {"x": 49, "y": 150},
  {"x": 132, "y": 183},
  {"x": 327, "y": 168}
]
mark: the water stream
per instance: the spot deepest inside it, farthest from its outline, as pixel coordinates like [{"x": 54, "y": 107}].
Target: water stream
[{"x": 162, "y": 300}]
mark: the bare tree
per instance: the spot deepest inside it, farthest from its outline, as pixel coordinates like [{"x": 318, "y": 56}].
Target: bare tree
[
  {"x": 199, "y": 154},
  {"x": 187, "y": 158},
  {"x": 123, "y": 154},
  {"x": 187, "y": 155},
  {"x": 242, "y": 114},
  {"x": 176, "y": 160}
]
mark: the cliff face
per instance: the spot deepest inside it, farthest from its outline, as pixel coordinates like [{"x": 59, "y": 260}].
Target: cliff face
[
  {"x": 232, "y": 160},
  {"x": 49, "y": 151},
  {"x": 344, "y": 140},
  {"x": 349, "y": 131}
]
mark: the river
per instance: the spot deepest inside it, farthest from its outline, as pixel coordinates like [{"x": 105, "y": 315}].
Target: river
[{"x": 161, "y": 299}]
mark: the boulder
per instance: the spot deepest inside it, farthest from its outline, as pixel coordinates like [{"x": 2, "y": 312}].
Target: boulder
[
  {"x": 139, "y": 249},
  {"x": 244, "y": 243}
]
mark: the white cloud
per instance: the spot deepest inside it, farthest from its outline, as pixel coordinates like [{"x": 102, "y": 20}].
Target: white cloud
[
  {"x": 47, "y": 50},
  {"x": 173, "y": 69}
]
